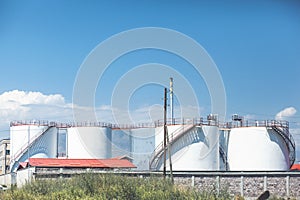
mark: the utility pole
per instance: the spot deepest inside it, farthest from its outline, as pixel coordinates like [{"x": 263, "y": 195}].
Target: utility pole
[
  {"x": 167, "y": 144},
  {"x": 172, "y": 122},
  {"x": 169, "y": 152},
  {"x": 165, "y": 131},
  {"x": 171, "y": 101}
]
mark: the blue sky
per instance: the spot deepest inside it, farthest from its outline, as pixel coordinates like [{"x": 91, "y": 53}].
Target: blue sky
[{"x": 255, "y": 45}]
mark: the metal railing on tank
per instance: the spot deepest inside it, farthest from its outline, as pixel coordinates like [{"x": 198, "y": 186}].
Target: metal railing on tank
[
  {"x": 284, "y": 125},
  {"x": 32, "y": 122},
  {"x": 32, "y": 140},
  {"x": 188, "y": 121},
  {"x": 281, "y": 127},
  {"x": 133, "y": 126},
  {"x": 186, "y": 125},
  {"x": 175, "y": 121},
  {"x": 89, "y": 124},
  {"x": 60, "y": 125},
  {"x": 258, "y": 123},
  {"x": 174, "y": 136}
]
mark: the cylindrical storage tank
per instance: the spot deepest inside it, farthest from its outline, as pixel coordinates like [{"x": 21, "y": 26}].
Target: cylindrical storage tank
[
  {"x": 196, "y": 149},
  {"x": 172, "y": 131},
  {"x": 89, "y": 142},
  {"x": 46, "y": 145},
  {"x": 257, "y": 149},
  {"x": 39, "y": 137},
  {"x": 142, "y": 145},
  {"x": 21, "y": 135}
]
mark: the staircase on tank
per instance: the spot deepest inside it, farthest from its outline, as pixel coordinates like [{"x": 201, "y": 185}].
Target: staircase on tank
[
  {"x": 224, "y": 157},
  {"x": 283, "y": 131},
  {"x": 14, "y": 160},
  {"x": 173, "y": 137}
]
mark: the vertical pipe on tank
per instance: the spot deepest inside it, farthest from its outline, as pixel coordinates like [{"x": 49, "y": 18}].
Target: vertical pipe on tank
[
  {"x": 67, "y": 140},
  {"x": 131, "y": 143},
  {"x": 57, "y": 141},
  {"x": 28, "y": 152},
  {"x": 171, "y": 101},
  {"x": 28, "y": 143}
]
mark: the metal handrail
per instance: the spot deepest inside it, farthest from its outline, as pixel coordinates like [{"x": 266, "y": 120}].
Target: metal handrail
[
  {"x": 133, "y": 126},
  {"x": 157, "y": 153},
  {"x": 223, "y": 156},
  {"x": 187, "y": 121},
  {"x": 63, "y": 125},
  {"x": 89, "y": 124},
  {"x": 32, "y": 122},
  {"x": 25, "y": 147},
  {"x": 158, "y": 123},
  {"x": 255, "y": 123},
  {"x": 289, "y": 140}
]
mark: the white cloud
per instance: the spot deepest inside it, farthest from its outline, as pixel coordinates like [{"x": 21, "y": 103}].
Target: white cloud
[
  {"x": 286, "y": 113},
  {"x": 23, "y": 106},
  {"x": 23, "y": 98},
  {"x": 250, "y": 117}
]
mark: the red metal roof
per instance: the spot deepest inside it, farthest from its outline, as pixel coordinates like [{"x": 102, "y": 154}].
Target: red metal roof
[
  {"x": 22, "y": 165},
  {"x": 81, "y": 163},
  {"x": 295, "y": 167}
]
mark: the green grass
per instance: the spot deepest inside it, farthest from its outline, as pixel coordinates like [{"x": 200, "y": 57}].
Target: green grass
[{"x": 106, "y": 186}]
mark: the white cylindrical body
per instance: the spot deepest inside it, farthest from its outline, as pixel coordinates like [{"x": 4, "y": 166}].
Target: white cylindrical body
[
  {"x": 257, "y": 149},
  {"x": 142, "y": 146},
  {"x": 42, "y": 141},
  {"x": 89, "y": 142},
  {"x": 20, "y": 136},
  {"x": 197, "y": 149},
  {"x": 46, "y": 145}
]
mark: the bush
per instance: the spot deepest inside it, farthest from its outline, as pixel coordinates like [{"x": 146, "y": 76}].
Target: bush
[{"x": 106, "y": 186}]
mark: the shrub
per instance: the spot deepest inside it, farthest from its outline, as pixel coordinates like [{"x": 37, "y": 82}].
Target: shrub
[{"x": 106, "y": 186}]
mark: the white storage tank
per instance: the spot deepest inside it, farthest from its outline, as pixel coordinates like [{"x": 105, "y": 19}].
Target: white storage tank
[
  {"x": 89, "y": 142},
  {"x": 257, "y": 149},
  {"x": 34, "y": 139},
  {"x": 142, "y": 146},
  {"x": 196, "y": 148}
]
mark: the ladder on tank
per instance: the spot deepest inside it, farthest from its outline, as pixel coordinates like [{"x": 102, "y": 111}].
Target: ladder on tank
[
  {"x": 288, "y": 139},
  {"x": 159, "y": 150},
  {"x": 224, "y": 157},
  {"x": 26, "y": 146}
]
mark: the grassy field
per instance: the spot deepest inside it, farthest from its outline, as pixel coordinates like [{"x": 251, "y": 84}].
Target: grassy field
[{"x": 109, "y": 186}]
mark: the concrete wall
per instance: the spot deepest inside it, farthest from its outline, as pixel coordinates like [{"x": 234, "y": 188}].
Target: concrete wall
[
  {"x": 249, "y": 185},
  {"x": 24, "y": 176},
  {"x": 5, "y": 179}
]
